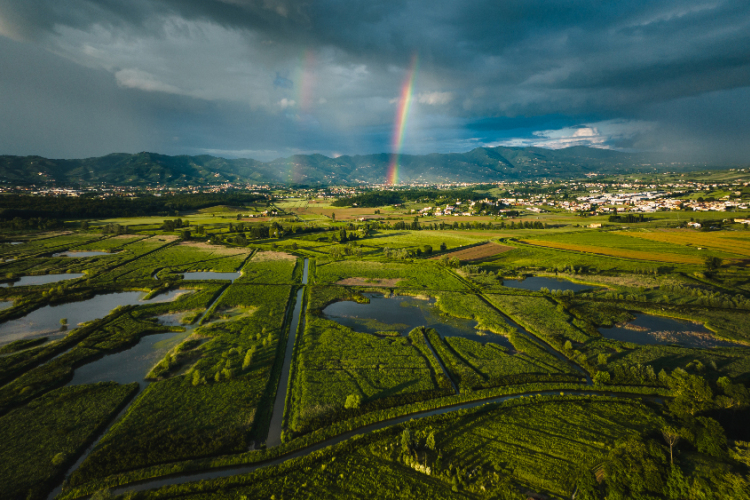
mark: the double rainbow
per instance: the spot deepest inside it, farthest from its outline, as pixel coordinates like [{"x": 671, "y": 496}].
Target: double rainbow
[{"x": 402, "y": 114}]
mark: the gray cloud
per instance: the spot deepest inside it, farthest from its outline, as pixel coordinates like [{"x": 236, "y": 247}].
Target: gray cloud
[{"x": 280, "y": 76}]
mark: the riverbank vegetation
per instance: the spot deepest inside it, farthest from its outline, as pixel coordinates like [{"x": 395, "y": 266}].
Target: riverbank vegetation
[{"x": 669, "y": 427}]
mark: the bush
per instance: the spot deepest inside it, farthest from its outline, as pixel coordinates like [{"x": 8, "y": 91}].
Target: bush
[{"x": 601, "y": 378}]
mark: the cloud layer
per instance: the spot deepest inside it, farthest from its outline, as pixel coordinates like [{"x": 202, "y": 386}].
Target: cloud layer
[{"x": 276, "y": 77}]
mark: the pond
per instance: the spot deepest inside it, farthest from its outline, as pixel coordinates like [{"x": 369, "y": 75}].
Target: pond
[
  {"x": 131, "y": 365},
  {"x": 404, "y": 313},
  {"x": 210, "y": 275},
  {"x": 46, "y": 320},
  {"x": 6, "y": 304},
  {"x": 73, "y": 253},
  {"x": 647, "y": 329},
  {"x": 43, "y": 279},
  {"x": 536, "y": 283}
]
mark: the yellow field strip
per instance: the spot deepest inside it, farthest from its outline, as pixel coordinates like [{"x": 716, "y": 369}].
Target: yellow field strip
[
  {"x": 617, "y": 252},
  {"x": 724, "y": 242}
]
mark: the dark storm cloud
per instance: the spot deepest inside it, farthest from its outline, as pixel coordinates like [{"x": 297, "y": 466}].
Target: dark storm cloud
[{"x": 281, "y": 76}]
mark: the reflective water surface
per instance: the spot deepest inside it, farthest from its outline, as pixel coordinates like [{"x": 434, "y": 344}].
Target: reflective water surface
[
  {"x": 43, "y": 279},
  {"x": 402, "y": 314},
  {"x": 72, "y": 253},
  {"x": 45, "y": 321},
  {"x": 647, "y": 329},
  {"x": 536, "y": 283}
]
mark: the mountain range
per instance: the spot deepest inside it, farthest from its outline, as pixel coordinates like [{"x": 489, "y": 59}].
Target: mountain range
[{"x": 479, "y": 165}]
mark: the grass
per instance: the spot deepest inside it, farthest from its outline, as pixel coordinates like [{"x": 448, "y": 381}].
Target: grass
[
  {"x": 176, "y": 259},
  {"x": 669, "y": 258},
  {"x": 721, "y": 243},
  {"x": 270, "y": 268},
  {"x": 535, "y": 445},
  {"x": 422, "y": 275},
  {"x": 211, "y": 402},
  {"x": 334, "y": 362},
  {"x": 545, "y": 319},
  {"x": 42, "y": 439}
]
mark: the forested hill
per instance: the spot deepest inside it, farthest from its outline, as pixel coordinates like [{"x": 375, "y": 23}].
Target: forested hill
[{"x": 478, "y": 165}]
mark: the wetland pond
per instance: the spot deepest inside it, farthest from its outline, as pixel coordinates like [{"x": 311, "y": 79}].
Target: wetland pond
[
  {"x": 130, "y": 365},
  {"x": 647, "y": 329},
  {"x": 81, "y": 254},
  {"x": 43, "y": 279},
  {"x": 536, "y": 283},
  {"x": 45, "y": 321},
  {"x": 403, "y": 313}
]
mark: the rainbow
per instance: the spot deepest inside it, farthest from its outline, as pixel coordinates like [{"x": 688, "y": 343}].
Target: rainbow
[
  {"x": 402, "y": 114},
  {"x": 306, "y": 79}
]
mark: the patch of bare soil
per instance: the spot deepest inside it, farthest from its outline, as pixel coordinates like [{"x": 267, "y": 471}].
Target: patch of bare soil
[
  {"x": 369, "y": 281},
  {"x": 268, "y": 255},
  {"x": 218, "y": 249}
]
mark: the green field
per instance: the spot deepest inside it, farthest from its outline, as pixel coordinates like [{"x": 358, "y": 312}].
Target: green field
[{"x": 584, "y": 413}]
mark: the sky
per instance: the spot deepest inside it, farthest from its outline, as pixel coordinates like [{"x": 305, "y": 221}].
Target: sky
[{"x": 270, "y": 78}]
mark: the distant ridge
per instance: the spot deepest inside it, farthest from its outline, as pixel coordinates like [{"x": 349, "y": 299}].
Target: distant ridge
[{"x": 477, "y": 165}]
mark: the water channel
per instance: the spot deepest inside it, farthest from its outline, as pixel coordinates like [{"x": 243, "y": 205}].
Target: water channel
[
  {"x": 43, "y": 279},
  {"x": 412, "y": 313},
  {"x": 277, "y": 417},
  {"x": 536, "y": 283},
  {"x": 647, "y": 329},
  {"x": 133, "y": 364},
  {"x": 244, "y": 469}
]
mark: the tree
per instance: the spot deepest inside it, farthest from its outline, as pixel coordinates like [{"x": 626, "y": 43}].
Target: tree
[
  {"x": 735, "y": 395},
  {"x": 601, "y": 378},
  {"x": 602, "y": 359},
  {"x": 333, "y": 216},
  {"x": 634, "y": 469},
  {"x": 353, "y": 402},
  {"x": 677, "y": 486},
  {"x": 568, "y": 345},
  {"x": 64, "y": 321},
  {"x": 712, "y": 263},
  {"x": 248, "y": 358},
  {"x": 671, "y": 436},
  {"x": 443, "y": 247},
  {"x": 59, "y": 459},
  {"x": 430, "y": 443},
  {"x": 710, "y": 437},
  {"x": 84, "y": 226},
  {"x": 587, "y": 487},
  {"x": 406, "y": 440},
  {"x": 693, "y": 394},
  {"x": 196, "y": 377}
]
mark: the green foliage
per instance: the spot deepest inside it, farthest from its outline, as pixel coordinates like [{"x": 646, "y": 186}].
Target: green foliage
[
  {"x": 43, "y": 438},
  {"x": 601, "y": 378},
  {"x": 710, "y": 438},
  {"x": 353, "y": 401},
  {"x": 333, "y": 362},
  {"x": 635, "y": 469}
]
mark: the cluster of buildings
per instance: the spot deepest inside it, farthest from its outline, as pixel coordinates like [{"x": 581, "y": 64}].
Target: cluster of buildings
[{"x": 650, "y": 201}]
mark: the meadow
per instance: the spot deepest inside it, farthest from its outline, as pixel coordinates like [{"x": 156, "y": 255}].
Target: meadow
[{"x": 208, "y": 400}]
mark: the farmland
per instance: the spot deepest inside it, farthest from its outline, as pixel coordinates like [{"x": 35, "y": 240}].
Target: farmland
[{"x": 389, "y": 335}]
